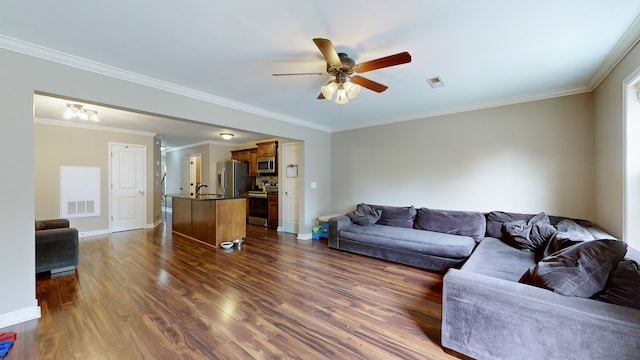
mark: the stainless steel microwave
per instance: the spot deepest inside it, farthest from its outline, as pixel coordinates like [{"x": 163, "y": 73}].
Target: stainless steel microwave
[{"x": 267, "y": 165}]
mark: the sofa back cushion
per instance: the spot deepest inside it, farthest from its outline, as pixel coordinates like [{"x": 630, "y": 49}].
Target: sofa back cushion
[
  {"x": 467, "y": 223},
  {"x": 396, "y": 216}
]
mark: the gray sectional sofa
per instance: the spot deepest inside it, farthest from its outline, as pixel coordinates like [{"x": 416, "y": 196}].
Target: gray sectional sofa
[{"x": 531, "y": 287}]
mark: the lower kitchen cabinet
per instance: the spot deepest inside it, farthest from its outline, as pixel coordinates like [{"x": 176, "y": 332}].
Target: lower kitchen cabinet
[{"x": 272, "y": 203}]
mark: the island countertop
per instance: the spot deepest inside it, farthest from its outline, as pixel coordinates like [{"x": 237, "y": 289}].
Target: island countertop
[
  {"x": 204, "y": 197},
  {"x": 209, "y": 219}
]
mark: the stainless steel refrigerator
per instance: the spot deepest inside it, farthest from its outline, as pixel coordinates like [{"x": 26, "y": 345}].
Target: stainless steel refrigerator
[{"x": 233, "y": 178}]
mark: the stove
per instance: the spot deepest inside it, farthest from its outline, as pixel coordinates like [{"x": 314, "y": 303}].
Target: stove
[{"x": 258, "y": 208}]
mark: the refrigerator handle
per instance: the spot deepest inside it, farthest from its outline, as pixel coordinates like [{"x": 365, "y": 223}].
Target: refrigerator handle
[{"x": 221, "y": 181}]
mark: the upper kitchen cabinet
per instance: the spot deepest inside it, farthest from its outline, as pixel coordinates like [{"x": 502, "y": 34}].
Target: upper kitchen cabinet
[
  {"x": 240, "y": 155},
  {"x": 253, "y": 162},
  {"x": 267, "y": 149},
  {"x": 247, "y": 156}
]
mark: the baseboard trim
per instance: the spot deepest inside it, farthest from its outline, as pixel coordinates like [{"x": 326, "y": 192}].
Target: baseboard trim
[
  {"x": 19, "y": 316},
  {"x": 156, "y": 223},
  {"x": 94, "y": 233}
]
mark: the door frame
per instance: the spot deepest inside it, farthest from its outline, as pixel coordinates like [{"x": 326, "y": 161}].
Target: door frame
[
  {"x": 630, "y": 158},
  {"x": 284, "y": 209}
]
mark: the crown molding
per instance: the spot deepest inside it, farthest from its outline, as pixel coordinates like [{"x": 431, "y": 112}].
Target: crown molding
[
  {"x": 628, "y": 40},
  {"x": 476, "y": 106},
  {"x": 99, "y": 68},
  {"x": 208, "y": 142},
  {"x": 82, "y": 125}
]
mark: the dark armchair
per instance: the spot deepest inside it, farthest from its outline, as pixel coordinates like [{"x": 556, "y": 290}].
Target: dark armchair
[{"x": 56, "y": 246}]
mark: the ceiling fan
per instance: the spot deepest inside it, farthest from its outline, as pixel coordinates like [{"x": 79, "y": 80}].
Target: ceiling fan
[{"x": 341, "y": 67}]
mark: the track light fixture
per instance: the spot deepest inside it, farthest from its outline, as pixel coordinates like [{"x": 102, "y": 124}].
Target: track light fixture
[{"x": 77, "y": 111}]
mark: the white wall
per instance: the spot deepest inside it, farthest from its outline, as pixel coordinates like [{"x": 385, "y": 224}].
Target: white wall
[
  {"x": 609, "y": 127},
  {"x": 530, "y": 157},
  {"x": 25, "y": 75}
]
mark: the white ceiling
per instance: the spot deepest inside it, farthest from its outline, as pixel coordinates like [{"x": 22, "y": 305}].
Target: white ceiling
[{"x": 487, "y": 52}]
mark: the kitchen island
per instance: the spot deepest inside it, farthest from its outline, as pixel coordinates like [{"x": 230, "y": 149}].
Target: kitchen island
[{"x": 210, "y": 219}]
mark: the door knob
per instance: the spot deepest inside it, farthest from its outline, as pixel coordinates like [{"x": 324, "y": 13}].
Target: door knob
[{"x": 141, "y": 192}]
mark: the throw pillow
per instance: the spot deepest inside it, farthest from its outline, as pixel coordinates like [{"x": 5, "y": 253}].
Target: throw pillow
[
  {"x": 364, "y": 215},
  {"x": 496, "y": 219},
  {"x": 569, "y": 233},
  {"x": 466, "y": 223},
  {"x": 396, "y": 216},
  {"x": 623, "y": 286},
  {"x": 580, "y": 270},
  {"x": 530, "y": 235}
]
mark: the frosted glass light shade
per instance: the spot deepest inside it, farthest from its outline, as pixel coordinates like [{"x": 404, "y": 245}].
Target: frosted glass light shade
[
  {"x": 352, "y": 89},
  {"x": 68, "y": 111},
  {"x": 93, "y": 115},
  {"x": 329, "y": 89},
  {"x": 341, "y": 96}
]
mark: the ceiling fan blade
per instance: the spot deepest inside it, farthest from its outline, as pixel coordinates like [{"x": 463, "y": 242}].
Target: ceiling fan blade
[
  {"x": 321, "y": 97},
  {"x": 310, "y": 73},
  {"x": 383, "y": 62},
  {"x": 369, "y": 84},
  {"x": 329, "y": 52}
]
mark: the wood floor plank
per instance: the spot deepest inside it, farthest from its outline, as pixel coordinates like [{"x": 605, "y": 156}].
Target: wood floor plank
[{"x": 150, "y": 294}]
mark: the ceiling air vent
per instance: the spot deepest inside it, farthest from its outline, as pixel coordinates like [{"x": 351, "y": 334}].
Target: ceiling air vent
[{"x": 435, "y": 82}]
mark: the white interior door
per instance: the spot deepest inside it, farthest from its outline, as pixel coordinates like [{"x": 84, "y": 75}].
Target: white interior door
[
  {"x": 291, "y": 186},
  {"x": 185, "y": 176},
  {"x": 128, "y": 196}
]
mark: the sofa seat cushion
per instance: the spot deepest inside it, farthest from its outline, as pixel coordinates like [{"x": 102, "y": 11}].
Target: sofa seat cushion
[
  {"x": 420, "y": 241},
  {"x": 494, "y": 258}
]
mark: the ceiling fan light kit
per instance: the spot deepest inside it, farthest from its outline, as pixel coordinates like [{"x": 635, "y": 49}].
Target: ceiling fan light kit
[
  {"x": 346, "y": 86},
  {"x": 344, "y": 91}
]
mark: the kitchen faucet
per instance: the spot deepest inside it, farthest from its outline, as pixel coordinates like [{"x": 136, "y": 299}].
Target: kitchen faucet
[{"x": 198, "y": 187}]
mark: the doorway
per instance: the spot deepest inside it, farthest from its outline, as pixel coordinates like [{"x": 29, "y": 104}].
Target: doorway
[
  {"x": 190, "y": 174},
  {"x": 127, "y": 196}
]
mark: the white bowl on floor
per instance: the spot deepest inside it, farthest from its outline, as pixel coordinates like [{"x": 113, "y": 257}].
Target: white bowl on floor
[{"x": 226, "y": 245}]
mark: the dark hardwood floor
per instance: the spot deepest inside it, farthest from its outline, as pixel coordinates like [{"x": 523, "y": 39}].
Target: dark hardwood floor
[{"x": 149, "y": 294}]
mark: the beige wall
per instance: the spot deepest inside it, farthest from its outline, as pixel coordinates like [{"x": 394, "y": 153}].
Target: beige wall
[
  {"x": 57, "y": 146},
  {"x": 530, "y": 157},
  {"x": 211, "y": 154},
  {"x": 27, "y": 75},
  {"x": 609, "y": 124}
]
